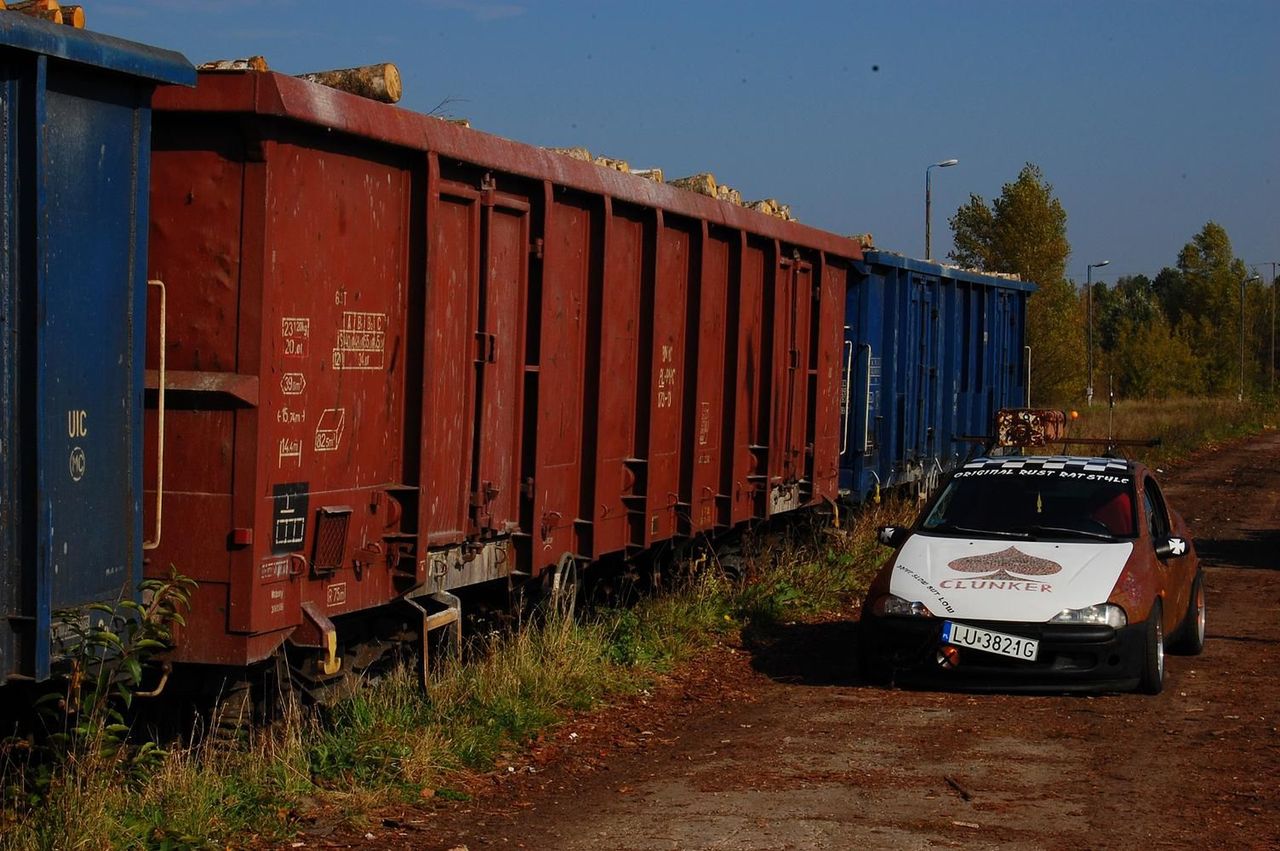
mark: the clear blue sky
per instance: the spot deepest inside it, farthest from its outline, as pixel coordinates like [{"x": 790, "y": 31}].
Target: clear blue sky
[{"x": 1148, "y": 118}]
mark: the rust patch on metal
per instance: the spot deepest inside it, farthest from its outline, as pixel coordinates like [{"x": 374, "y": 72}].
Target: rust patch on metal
[
  {"x": 1030, "y": 426},
  {"x": 1005, "y": 564}
]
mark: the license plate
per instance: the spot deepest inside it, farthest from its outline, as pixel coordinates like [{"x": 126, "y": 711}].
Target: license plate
[{"x": 989, "y": 641}]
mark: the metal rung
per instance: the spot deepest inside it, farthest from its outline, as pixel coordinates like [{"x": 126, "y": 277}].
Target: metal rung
[{"x": 440, "y": 619}]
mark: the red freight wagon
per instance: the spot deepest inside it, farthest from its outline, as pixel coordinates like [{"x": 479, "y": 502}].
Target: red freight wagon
[{"x": 405, "y": 357}]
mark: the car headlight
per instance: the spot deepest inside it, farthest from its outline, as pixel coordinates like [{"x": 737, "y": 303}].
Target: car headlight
[
  {"x": 892, "y": 604},
  {"x": 1103, "y": 614}
]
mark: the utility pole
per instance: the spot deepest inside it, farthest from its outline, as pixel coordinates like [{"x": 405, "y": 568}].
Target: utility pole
[
  {"x": 1243, "y": 281},
  {"x": 1088, "y": 287}
]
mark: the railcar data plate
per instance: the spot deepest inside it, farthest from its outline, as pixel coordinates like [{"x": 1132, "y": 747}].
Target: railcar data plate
[{"x": 989, "y": 641}]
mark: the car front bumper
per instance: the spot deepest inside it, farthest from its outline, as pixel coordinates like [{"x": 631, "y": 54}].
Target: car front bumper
[{"x": 1071, "y": 657}]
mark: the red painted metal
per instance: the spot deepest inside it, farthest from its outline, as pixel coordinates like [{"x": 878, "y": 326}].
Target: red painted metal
[{"x": 406, "y": 356}]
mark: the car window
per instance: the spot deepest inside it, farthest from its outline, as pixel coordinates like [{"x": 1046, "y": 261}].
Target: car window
[
  {"x": 1042, "y": 502},
  {"x": 1157, "y": 516}
]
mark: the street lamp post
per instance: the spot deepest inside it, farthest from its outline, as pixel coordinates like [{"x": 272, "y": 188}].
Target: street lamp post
[
  {"x": 1243, "y": 281},
  {"x": 1088, "y": 287},
  {"x": 928, "y": 203}
]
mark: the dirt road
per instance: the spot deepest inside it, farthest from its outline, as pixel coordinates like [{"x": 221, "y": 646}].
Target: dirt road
[{"x": 782, "y": 746}]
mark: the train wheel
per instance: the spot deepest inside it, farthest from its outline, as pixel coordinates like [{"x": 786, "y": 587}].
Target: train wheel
[
  {"x": 565, "y": 586},
  {"x": 233, "y": 712}
]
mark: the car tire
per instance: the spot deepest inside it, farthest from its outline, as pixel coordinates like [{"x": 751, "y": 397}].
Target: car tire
[
  {"x": 1190, "y": 641},
  {"x": 1152, "y": 678}
]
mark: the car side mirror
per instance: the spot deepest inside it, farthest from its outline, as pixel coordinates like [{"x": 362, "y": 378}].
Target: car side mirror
[
  {"x": 1171, "y": 548},
  {"x": 893, "y": 536}
]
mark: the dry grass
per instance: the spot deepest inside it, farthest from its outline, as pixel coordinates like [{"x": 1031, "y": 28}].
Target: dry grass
[
  {"x": 1183, "y": 425},
  {"x": 384, "y": 741}
]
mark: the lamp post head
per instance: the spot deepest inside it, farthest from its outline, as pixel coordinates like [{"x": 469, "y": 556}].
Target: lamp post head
[
  {"x": 945, "y": 164},
  {"x": 1102, "y": 263}
]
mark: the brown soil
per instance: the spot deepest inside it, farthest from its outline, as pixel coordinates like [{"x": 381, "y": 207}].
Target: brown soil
[{"x": 781, "y": 746}]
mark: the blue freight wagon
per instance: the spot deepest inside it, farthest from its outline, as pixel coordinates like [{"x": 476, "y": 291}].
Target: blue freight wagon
[
  {"x": 75, "y": 149},
  {"x": 931, "y": 352}
]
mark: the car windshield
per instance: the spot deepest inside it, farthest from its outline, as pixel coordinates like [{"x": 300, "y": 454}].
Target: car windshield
[{"x": 1035, "y": 503}]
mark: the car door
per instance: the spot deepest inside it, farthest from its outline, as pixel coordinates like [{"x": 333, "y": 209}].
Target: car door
[{"x": 1175, "y": 587}]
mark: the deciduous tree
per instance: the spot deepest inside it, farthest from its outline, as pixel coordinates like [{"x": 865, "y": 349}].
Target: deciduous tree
[{"x": 1025, "y": 231}]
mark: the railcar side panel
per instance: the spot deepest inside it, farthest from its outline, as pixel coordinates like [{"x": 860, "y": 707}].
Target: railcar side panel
[
  {"x": 500, "y": 363},
  {"x": 932, "y": 352},
  {"x": 563, "y": 318},
  {"x": 751, "y": 397},
  {"x": 617, "y": 471},
  {"x": 422, "y": 357},
  {"x": 704, "y": 416},
  {"x": 75, "y": 139},
  {"x": 825, "y": 389},
  {"x": 452, "y": 350}
]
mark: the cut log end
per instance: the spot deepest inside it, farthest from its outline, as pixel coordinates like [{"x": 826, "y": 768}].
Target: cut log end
[
  {"x": 703, "y": 184},
  {"x": 772, "y": 207},
  {"x": 616, "y": 165},
  {"x": 73, "y": 16},
  {"x": 250, "y": 63},
  {"x": 379, "y": 82}
]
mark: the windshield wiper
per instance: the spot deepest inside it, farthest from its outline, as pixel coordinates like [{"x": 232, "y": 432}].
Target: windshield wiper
[
  {"x": 1063, "y": 530},
  {"x": 966, "y": 530}
]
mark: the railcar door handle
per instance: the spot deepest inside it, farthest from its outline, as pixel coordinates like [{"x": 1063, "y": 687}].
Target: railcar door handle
[
  {"x": 847, "y": 396},
  {"x": 155, "y": 541}
]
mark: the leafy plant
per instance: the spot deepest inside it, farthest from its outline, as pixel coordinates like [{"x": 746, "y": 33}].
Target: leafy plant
[{"x": 108, "y": 648}]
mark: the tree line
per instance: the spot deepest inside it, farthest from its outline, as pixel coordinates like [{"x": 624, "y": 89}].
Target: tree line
[{"x": 1177, "y": 334}]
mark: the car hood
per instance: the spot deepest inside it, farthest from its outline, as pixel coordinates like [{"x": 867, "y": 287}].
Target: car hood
[{"x": 1012, "y": 580}]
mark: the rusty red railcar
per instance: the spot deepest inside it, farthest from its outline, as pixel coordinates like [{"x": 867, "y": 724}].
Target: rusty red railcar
[{"x": 405, "y": 357}]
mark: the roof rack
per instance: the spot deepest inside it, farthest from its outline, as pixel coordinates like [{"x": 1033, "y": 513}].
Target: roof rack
[{"x": 1029, "y": 428}]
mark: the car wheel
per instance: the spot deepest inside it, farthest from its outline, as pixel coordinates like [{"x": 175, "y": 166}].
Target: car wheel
[
  {"x": 1191, "y": 634},
  {"x": 1152, "y": 680}
]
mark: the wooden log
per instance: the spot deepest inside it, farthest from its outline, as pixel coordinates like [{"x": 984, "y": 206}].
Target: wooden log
[
  {"x": 617, "y": 165},
  {"x": 772, "y": 207},
  {"x": 654, "y": 174},
  {"x": 703, "y": 184},
  {"x": 573, "y": 153},
  {"x": 73, "y": 16},
  {"x": 728, "y": 193},
  {"x": 379, "y": 82},
  {"x": 251, "y": 63},
  {"x": 48, "y": 10}
]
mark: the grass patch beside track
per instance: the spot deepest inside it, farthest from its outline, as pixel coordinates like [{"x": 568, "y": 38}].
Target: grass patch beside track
[{"x": 386, "y": 742}]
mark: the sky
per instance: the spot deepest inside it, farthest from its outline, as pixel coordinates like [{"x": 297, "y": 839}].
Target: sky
[{"x": 1148, "y": 118}]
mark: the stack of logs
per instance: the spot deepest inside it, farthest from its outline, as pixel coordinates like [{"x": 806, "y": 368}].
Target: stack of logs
[
  {"x": 703, "y": 184},
  {"x": 654, "y": 174},
  {"x": 48, "y": 10},
  {"x": 379, "y": 82}
]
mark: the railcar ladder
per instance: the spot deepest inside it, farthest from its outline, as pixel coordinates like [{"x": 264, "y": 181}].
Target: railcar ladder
[{"x": 448, "y": 615}]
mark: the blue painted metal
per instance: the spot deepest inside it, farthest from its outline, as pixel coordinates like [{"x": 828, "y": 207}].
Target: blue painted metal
[
  {"x": 75, "y": 153},
  {"x": 935, "y": 351}
]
